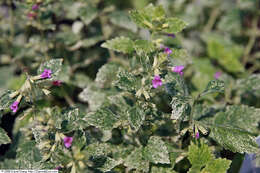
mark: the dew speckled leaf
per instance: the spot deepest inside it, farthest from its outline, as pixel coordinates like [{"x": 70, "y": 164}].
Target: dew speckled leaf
[
  {"x": 126, "y": 81},
  {"x": 106, "y": 75},
  {"x": 102, "y": 118},
  {"x": 110, "y": 164},
  {"x": 234, "y": 139},
  {"x": 88, "y": 14},
  {"x": 180, "y": 108},
  {"x": 239, "y": 116},
  {"x": 120, "y": 44},
  {"x": 136, "y": 117},
  {"x": 97, "y": 149},
  {"x": 156, "y": 151},
  {"x": 135, "y": 160},
  {"x": 214, "y": 86}
]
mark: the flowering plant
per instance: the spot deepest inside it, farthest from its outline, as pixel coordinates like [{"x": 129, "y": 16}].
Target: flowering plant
[{"x": 140, "y": 116}]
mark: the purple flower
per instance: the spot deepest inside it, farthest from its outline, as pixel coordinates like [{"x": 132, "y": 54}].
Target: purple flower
[
  {"x": 35, "y": 7},
  {"x": 178, "y": 69},
  {"x": 197, "y": 136},
  {"x": 14, "y": 106},
  {"x": 58, "y": 167},
  {"x": 46, "y": 74},
  {"x": 167, "y": 50},
  {"x": 67, "y": 141},
  {"x": 171, "y": 35},
  {"x": 56, "y": 83},
  {"x": 157, "y": 81},
  {"x": 217, "y": 75}
]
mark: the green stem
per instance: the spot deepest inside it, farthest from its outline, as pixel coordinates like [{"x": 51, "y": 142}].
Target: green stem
[
  {"x": 251, "y": 41},
  {"x": 212, "y": 19}
]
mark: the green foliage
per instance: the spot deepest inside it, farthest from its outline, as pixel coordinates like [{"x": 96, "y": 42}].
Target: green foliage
[
  {"x": 4, "y": 138},
  {"x": 107, "y": 102},
  {"x": 120, "y": 44},
  {"x": 200, "y": 156}
]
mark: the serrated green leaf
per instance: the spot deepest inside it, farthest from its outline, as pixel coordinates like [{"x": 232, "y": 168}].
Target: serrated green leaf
[
  {"x": 214, "y": 86},
  {"x": 198, "y": 156},
  {"x": 4, "y": 138},
  {"x": 218, "y": 166},
  {"x": 234, "y": 139},
  {"x": 148, "y": 17},
  {"x": 156, "y": 151},
  {"x": 97, "y": 149},
  {"x": 143, "y": 46},
  {"x": 239, "y": 116},
  {"x": 136, "y": 117},
  {"x": 54, "y": 65},
  {"x": 102, "y": 118},
  {"x": 120, "y": 44},
  {"x": 126, "y": 81},
  {"x": 110, "y": 164},
  {"x": 180, "y": 108},
  {"x": 136, "y": 160},
  {"x": 250, "y": 84},
  {"x": 106, "y": 75},
  {"x": 174, "y": 25}
]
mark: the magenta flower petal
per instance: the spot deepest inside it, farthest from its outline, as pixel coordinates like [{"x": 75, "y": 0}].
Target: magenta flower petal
[
  {"x": 171, "y": 35},
  {"x": 58, "y": 167},
  {"x": 217, "y": 75},
  {"x": 56, "y": 83},
  {"x": 68, "y": 141},
  {"x": 167, "y": 50},
  {"x": 178, "y": 69},
  {"x": 14, "y": 106},
  {"x": 46, "y": 73},
  {"x": 157, "y": 81},
  {"x": 35, "y": 7},
  {"x": 197, "y": 136}
]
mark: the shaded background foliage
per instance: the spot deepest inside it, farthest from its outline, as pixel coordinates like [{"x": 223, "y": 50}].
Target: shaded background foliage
[{"x": 220, "y": 36}]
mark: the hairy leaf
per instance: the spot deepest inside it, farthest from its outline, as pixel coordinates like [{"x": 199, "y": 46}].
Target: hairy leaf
[
  {"x": 106, "y": 75},
  {"x": 250, "y": 84},
  {"x": 102, "y": 118},
  {"x": 234, "y": 139},
  {"x": 156, "y": 151},
  {"x": 136, "y": 160},
  {"x": 218, "y": 165},
  {"x": 120, "y": 44},
  {"x": 180, "y": 108},
  {"x": 214, "y": 86},
  {"x": 136, "y": 117}
]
